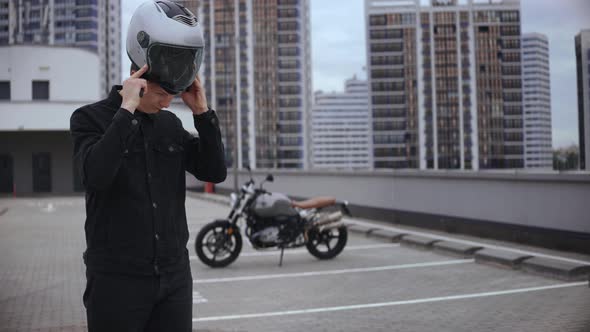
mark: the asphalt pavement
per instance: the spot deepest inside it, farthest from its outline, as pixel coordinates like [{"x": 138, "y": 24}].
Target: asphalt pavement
[{"x": 375, "y": 284}]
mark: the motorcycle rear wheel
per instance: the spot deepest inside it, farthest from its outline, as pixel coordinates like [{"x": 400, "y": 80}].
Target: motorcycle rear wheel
[
  {"x": 218, "y": 244},
  {"x": 328, "y": 243}
]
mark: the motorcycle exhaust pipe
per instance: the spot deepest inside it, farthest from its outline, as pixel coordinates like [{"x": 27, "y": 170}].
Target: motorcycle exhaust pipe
[{"x": 328, "y": 219}]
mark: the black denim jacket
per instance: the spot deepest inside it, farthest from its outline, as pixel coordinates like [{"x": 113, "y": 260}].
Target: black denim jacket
[{"x": 133, "y": 168}]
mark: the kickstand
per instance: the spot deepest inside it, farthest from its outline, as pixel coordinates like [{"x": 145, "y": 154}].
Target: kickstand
[{"x": 281, "y": 261}]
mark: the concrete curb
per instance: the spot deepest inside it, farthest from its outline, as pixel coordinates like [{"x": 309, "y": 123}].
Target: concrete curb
[
  {"x": 500, "y": 258},
  {"x": 556, "y": 269},
  {"x": 387, "y": 235},
  {"x": 455, "y": 249},
  {"x": 359, "y": 229},
  {"x": 419, "y": 242}
]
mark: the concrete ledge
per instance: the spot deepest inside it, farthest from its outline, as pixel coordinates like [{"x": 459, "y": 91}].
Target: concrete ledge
[
  {"x": 355, "y": 228},
  {"x": 500, "y": 258},
  {"x": 557, "y": 269},
  {"x": 419, "y": 242},
  {"x": 455, "y": 249},
  {"x": 385, "y": 234}
]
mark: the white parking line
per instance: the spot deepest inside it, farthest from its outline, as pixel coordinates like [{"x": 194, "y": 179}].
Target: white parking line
[
  {"x": 486, "y": 245},
  {"x": 198, "y": 298},
  {"x": 388, "y": 304},
  {"x": 331, "y": 272},
  {"x": 304, "y": 251}
]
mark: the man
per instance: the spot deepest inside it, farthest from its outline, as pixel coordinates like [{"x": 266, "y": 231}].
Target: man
[{"x": 133, "y": 156}]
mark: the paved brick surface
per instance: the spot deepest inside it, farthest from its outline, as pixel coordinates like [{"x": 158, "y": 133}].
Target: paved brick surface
[{"x": 41, "y": 284}]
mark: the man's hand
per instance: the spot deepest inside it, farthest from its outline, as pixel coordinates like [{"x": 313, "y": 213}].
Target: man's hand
[
  {"x": 132, "y": 88},
  {"x": 195, "y": 97}
]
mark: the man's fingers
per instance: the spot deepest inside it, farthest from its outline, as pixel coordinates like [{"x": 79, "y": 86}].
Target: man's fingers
[
  {"x": 140, "y": 72},
  {"x": 143, "y": 88}
]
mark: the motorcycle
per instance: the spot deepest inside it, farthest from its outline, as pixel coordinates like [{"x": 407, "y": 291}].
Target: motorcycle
[{"x": 273, "y": 221}]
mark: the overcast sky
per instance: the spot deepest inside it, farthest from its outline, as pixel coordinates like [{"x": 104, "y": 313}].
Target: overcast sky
[{"x": 338, "y": 49}]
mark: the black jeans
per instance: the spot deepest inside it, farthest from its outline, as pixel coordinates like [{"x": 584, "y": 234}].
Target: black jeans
[{"x": 137, "y": 303}]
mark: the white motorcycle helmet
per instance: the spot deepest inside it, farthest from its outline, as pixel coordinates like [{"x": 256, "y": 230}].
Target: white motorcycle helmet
[{"x": 167, "y": 37}]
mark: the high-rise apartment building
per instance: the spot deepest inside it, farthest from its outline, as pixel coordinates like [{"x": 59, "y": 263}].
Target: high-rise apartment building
[
  {"x": 445, "y": 83},
  {"x": 582, "y": 41},
  {"x": 91, "y": 24},
  {"x": 340, "y": 128},
  {"x": 257, "y": 71},
  {"x": 536, "y": 101}
]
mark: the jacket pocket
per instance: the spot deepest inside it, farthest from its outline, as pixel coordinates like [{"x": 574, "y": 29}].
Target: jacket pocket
[{"x": 169, "y": 159}]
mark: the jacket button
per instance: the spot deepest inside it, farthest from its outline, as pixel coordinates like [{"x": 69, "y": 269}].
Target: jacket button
[
  {"x": 157, "y": 237},
  {"x": 171, "y": 148},
  {"x": 134, "y": 122},
  {"x": 155, "y": 205}
]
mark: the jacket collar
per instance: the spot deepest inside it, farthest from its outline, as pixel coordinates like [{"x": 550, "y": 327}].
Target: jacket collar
[{"x": 114, "y": 99}]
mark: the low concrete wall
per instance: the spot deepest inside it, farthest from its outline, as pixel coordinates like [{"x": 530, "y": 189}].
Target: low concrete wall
[{"x": 545, "y": 201}]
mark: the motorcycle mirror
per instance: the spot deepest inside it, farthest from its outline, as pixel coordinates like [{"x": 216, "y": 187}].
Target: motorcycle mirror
[
  {"x": 247, "y": 167},
  {"x": 270, "y": 178}
]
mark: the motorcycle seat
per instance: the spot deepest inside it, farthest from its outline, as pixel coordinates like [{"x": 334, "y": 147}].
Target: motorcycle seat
[{"x": 316, "y": 202}]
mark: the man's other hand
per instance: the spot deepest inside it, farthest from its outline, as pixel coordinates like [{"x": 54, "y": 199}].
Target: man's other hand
[{"x": 195, "y": 97}]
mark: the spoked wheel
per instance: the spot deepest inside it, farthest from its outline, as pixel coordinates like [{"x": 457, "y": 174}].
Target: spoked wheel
[
  {"x": 218, "y": 244},
  {"x": 328, "y": 243}
]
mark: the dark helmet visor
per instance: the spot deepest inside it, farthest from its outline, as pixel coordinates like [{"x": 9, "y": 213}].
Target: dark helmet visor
[{"x": 173, "y": 67}]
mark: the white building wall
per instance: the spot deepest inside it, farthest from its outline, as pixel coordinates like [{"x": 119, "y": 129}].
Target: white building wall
[
  {"x": 340, "y": 128},
  {"x": 47, "y": 22},
  {"x": 536, "y": 101},
  {"x": 72, "y": 84},
  {"x": 73, "y": 73}
]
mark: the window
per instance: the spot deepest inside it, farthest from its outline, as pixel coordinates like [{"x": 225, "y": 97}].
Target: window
[
  {"x": 40, "y": 90},
  {"x": 86, "y": 36},
  {"x": 4, "y": 90},
  {"x": 289, "y": 51}
]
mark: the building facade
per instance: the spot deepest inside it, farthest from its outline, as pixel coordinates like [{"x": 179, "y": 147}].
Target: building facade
[
  {"x": 340, "y": 128},
  {"x": 89, "y": 24},
  {"x": 257, "y": 71},
  {"x": 39, "y": 91},
  {"x": 536, "y": 101},
  {"x": 582, "y": 41},
  {"x": 445, "y": 84}
]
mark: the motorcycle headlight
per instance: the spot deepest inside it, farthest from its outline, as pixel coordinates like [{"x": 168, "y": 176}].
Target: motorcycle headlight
[{"x": 233, "y": 200}]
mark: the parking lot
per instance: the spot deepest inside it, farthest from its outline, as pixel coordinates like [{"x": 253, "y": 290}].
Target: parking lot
[{"x": 372, "y": 286}]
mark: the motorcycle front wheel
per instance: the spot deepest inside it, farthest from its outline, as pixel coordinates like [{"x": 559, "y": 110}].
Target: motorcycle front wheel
[
  {"x": 328, "y": 243},
  {"x": 218, "y": 244}
]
